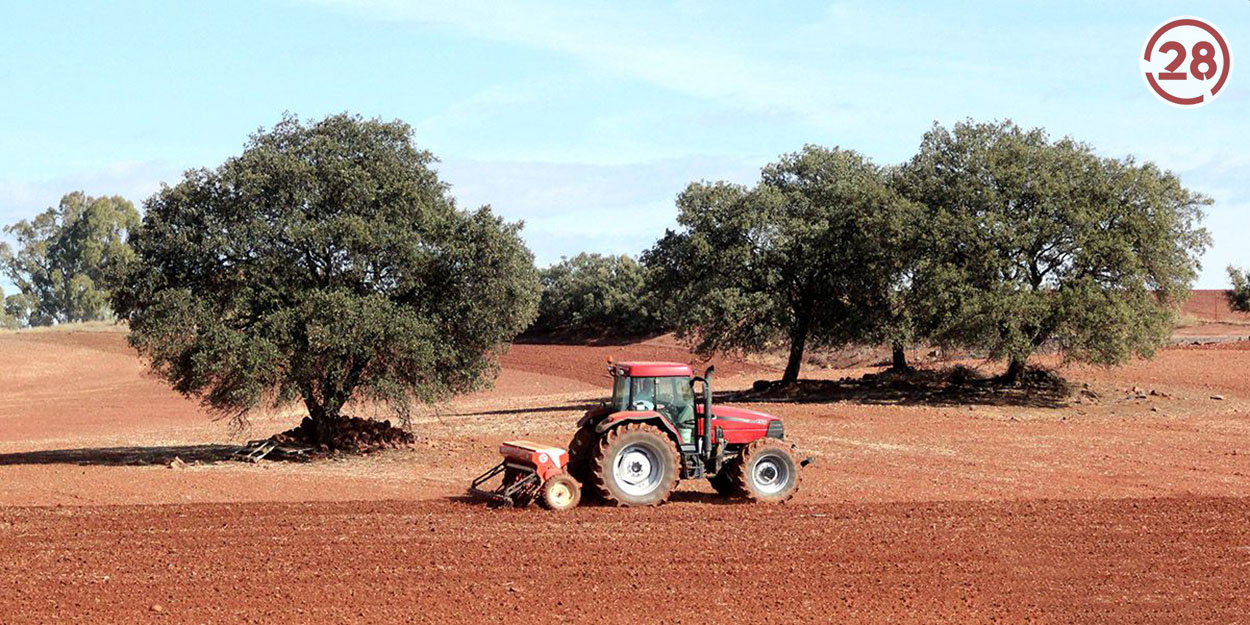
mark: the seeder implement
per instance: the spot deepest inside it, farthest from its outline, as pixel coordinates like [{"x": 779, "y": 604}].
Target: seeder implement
[{"x": 530, "y": 472}]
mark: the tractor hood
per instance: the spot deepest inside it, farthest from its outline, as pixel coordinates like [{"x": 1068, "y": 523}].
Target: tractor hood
[
  {"x": 743, "y": 426},
  {"x": 742, "y": 414}
]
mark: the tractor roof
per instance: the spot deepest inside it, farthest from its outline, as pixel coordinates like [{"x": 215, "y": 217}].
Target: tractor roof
[{"x": 653, "y": 369}]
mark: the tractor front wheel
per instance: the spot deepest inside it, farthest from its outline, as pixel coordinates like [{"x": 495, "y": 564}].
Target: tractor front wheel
[
  {"x": 766, "y": 471},
  {"x": 635, "y": 465}
]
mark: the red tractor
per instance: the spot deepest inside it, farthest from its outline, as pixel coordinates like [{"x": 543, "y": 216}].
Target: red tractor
[{"x": 633, "y": 450}]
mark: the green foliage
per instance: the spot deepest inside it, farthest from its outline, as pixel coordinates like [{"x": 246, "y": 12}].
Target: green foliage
[
  {"x": 807, "y": 258},
  {"x": 66, "y": 258},
  {"x": 8, "y": 320},
  {"x": 596, "y": 293},
  {"x": 1036, "y": 240},
  {"x": 1239, "y": 296},
  {"x": 326, "y": 263}
]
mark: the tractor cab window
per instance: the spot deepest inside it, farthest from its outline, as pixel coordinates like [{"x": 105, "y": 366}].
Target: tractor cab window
[
  {"x": 620, "y": 392},
  {"x": 674, "y": 393},
  {"x": 671, "y": 396}
]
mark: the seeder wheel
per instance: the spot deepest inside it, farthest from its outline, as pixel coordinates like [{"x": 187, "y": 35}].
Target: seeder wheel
[{"x": 560, "y": 493}]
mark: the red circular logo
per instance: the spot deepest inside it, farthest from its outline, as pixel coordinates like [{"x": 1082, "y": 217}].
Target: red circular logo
[{"x": 1186, "y": 61}]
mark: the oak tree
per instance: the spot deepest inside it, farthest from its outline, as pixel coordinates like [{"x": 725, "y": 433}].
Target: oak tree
[
  {"x": 1035, "y": 241},
  {"x": 1239, "y": 296},
  {"x": 327, "y": 263},
  {"x": 809, "y": 257},
  {"x": 597, "y": 293}
]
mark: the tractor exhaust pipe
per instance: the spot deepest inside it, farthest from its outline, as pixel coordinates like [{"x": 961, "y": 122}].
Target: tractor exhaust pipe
[{"x": 709, "y": 432}]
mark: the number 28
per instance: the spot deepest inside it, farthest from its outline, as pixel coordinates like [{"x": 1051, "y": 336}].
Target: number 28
[{"x": 1202, "y": 67}]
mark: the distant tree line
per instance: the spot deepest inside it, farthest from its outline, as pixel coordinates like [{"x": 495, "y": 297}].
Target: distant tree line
[
  {"x": 598, "y": 294},
  {"x": 66, "y": 260}
]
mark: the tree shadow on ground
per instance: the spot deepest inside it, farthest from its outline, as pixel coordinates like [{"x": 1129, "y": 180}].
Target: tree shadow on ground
[
  {"x": 956, "y": 386},
  {"x": 123, "y": 456},
  {"x": 582, "y": 339},
  {"x": 571, "y": 407}
]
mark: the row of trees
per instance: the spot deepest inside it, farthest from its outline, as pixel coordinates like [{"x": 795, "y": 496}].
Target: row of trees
[{"x": 992, "y": 237}]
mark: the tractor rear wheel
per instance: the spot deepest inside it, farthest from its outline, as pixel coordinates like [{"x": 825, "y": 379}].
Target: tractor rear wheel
[
  {"x": 560, "y": 493},
  {"x": 766, "y": 471},
  {"x": 581, "y": 453},
  {"x": 634, "y": 465}
]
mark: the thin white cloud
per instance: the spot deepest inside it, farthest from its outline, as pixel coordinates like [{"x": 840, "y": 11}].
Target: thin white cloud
[{"x": 669, "y": 49}]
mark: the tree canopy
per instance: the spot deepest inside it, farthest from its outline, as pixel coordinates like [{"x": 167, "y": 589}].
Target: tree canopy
[
  {"x": 1239, "y": 296},
  {"x": 1034, "y": 240},
  {"x": 65, "y": 259},
  {"x": 597, "y": 293},
  {"x": 326, "y": 263},
  {"x": 806, "y": 258}
]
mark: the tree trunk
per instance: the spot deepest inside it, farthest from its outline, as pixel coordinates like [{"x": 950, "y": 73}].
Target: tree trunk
[
  {"x": 798, "y": 342},
  {"x": 319, "y": 418},
  {"x": 1015, "y": 371},
  {"x": 900, "y": 358}
]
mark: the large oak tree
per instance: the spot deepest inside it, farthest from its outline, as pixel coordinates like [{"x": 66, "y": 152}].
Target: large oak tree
[
  {"x": 326, "y": 263},
  {"x": 1035, "y": 241}
]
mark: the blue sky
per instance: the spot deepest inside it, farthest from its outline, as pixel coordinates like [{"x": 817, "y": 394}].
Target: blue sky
[{"x": 586, "y": 119}]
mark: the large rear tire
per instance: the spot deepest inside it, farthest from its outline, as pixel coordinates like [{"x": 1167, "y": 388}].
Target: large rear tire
[
  {"x": 634, "y": 465},
  {"x": 766, "y": 471},
  {"x": 582, "y": 453}
]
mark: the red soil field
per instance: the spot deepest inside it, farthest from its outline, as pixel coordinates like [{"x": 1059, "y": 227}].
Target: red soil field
[
  {"x": 1212, "y": 305},
  {"x": 1045, "y": 561},
  {"x": 1126, "y": 503}
]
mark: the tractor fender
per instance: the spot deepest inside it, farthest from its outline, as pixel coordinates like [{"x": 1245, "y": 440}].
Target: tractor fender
[
  {"x": 639, "y": 416},
  {"x": 592, "y": 415}
]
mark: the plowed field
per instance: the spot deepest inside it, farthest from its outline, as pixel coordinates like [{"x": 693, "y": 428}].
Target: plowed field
[{"x": 1128, "y": 503}]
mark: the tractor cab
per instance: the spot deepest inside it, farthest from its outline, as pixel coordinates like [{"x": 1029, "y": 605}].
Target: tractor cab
[{"x": 666, "y": 388}]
